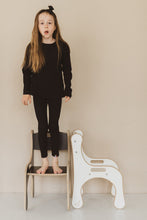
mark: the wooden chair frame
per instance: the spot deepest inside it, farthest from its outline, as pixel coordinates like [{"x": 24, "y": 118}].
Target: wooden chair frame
[{"x": 30, "y": 170}]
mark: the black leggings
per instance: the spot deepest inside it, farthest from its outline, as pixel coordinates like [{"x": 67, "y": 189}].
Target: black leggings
[{"x": 40, "y": 106}]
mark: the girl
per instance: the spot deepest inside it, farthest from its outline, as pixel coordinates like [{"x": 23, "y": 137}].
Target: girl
[{"x": 46, "y": 56}]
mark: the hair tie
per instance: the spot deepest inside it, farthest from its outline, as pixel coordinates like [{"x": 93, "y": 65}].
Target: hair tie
[{"x": 50, "y": 8}]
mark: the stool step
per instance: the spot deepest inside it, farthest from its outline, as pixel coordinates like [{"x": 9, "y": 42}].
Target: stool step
[{"x": 33, "y": 170}]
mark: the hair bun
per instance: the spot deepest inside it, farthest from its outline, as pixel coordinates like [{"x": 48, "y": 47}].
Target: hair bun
[{"x": 51, "y": 7}]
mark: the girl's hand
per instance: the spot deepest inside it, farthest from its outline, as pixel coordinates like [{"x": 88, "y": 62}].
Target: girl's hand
[
  {"x": 26, "y": 99},
  {"x": 67, "y": 98}
]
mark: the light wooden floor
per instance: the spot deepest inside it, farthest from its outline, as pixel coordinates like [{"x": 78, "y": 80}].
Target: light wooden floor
[{"x": 96, "y": 206}]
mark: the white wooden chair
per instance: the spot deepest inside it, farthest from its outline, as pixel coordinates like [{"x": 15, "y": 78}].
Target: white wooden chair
[
  {"x": 64, "y": 144},
  {"x": 86, "y": 168}
]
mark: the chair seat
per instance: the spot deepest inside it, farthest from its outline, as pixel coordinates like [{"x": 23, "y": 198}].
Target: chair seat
[{"x": 32, "y": 171}]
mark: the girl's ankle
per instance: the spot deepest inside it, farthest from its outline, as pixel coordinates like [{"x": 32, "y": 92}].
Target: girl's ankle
[
  {"x": 55, "y": 155},
  {"x": 45, "y": 160}
]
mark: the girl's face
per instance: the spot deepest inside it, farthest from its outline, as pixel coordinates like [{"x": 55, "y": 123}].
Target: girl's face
[{"x": 46, "y": 25}]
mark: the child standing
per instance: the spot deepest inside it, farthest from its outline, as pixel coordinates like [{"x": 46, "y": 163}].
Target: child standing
[{"x": 46, "y": 56}]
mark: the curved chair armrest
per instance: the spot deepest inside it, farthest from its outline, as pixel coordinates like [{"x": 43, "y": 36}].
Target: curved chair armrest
[{"x": 98, "y": 162}]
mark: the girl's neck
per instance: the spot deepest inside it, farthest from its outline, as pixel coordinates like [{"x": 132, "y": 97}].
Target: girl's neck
[{"x": 48, "y": 41}]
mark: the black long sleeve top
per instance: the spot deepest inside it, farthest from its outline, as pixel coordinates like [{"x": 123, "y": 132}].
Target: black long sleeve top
[{"x": 48, "y": 82}]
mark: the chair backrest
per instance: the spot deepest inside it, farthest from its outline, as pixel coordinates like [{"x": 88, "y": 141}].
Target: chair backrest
[{"x": 63, "y": 141}]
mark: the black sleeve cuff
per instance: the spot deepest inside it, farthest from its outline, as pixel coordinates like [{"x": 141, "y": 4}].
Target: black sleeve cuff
[{"x": 68, "y": 92}]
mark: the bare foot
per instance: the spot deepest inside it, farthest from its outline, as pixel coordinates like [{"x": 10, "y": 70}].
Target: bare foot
[
  {"x": 55, "y": 166},
  {"x": 43, "y": 168}
]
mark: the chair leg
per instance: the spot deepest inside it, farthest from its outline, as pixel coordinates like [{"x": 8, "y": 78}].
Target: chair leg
[
  {"x": 77, "y": 200},
  {"x": 26, "y": 192},
  {"x": 70, "y": 181},
  {"x": 116, "y": 179},
  {"x": 32, "y": 186},
  {"x": 113, "y": 190},
  {"x": 68, "y": 188},
  {"x": 82, "y": 191}
]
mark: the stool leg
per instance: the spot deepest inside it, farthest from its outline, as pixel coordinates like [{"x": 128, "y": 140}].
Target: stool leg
[
  {"x": 70, "y": 182},
  {"x": 82, "y": 191},
  {"x": 77, "y": 200},
  {"x": 116, "y": 178},
  {"x": 68, "y": 188},
  {"x": 113, "y": 190},
  {"x": 32, "y": 186},
  {"x": 119, "y": 198},
  {"x": 26, "y": 192}
]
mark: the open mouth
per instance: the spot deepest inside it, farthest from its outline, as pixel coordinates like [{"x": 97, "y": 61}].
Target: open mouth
[{"x": 46, "y": 32}]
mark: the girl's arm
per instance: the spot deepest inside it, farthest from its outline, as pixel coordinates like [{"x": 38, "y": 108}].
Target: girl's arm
[
  {"x": 67, "y": 70},
  {"x": 26, "y": 75}
]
